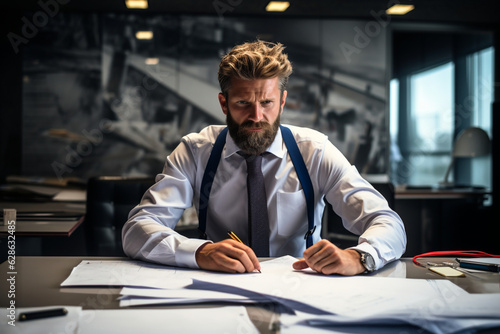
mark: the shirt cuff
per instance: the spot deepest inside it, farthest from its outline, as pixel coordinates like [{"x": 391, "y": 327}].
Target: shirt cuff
[
  {"x": 367, "y": 248},
  {"x": 185, "y": 255}
]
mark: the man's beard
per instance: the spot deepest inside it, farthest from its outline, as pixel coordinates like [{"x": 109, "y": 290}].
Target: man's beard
[{"x": 252, "y": 142}]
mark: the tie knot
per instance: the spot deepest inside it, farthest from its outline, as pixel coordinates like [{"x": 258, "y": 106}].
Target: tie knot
[{"x": 254, "y": 162}]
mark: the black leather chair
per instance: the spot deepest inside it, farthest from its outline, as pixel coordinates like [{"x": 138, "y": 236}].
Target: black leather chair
[
  {"x": 109, "y": 201},
  {"x": 335, "y": 231}
]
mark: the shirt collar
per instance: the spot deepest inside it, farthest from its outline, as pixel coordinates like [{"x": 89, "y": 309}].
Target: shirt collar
[{"x": 275, "y": 148}]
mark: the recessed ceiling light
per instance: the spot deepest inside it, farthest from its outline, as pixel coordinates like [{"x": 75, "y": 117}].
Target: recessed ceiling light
[
  {"x": 136, "y": 4},
  {"x": 144, "y": 35},
  {"x": 277, "y": 6},
  {"x": 399, "y": 9},
  {"x": 152, "y": 61}
]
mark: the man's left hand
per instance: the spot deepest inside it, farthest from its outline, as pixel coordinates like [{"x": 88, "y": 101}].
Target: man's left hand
[{"x": 326, "y": 258}]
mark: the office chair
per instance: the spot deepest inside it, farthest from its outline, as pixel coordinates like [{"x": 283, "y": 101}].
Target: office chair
[
  {"x": 109, "y": 201},
  {"x": 334, "y": 230}
]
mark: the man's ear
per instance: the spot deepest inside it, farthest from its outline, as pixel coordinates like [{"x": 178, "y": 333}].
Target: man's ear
[
  {"x": 283, "y": 100},
  {"x": 223, "y": 103}
]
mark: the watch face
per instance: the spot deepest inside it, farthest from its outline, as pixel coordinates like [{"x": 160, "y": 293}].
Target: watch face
[{"x": 368, "y": 262}]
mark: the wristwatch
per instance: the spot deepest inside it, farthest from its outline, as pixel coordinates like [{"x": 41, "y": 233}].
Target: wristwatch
[{"x": 367, "y": 261}]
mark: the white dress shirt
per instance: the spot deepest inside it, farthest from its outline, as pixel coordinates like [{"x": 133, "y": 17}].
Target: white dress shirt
[{"x": 149, "y": 232}]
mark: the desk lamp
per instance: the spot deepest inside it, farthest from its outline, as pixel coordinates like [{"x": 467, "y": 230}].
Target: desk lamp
[{"x": 471, "y": 142}]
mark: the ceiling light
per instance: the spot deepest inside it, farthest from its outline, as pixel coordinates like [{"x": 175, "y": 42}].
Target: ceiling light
[
  {"x": 277, "y": 6},
  {"x": 152, "y": 61},
  {"x": 144, "y": 35},
  {"x": 399, "y": 9},
  {"x": 136, "y": 4}
]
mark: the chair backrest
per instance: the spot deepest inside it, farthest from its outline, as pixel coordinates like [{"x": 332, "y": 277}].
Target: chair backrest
[
  {"x": 387, "y": 190},
  {"x": 109, "y": 201}
]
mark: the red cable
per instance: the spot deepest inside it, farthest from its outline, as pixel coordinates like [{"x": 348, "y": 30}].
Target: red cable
[{"x": 469, "y": 253}]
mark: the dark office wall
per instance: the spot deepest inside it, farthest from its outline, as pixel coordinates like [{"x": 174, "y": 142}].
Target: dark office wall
[
  {"x": 415, "y": 51},
  {"x": 10, "y": 99}
]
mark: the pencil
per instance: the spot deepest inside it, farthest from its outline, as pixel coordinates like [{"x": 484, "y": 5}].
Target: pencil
[{"x": 235, "y": 238}]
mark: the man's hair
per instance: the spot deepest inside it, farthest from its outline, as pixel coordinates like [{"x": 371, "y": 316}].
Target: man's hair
[{"x": 255, "y": 60}]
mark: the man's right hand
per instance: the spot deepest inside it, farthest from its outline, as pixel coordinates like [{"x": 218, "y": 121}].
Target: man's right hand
[{"x": 228, "y": 256}]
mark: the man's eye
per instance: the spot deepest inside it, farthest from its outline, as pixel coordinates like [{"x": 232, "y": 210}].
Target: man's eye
[
  {"x": 242, "y": 102},
  {"x": 266, "y": 102}
]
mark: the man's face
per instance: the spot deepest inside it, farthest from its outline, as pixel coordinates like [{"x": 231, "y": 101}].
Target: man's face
[{"x": 253, "y": 109}]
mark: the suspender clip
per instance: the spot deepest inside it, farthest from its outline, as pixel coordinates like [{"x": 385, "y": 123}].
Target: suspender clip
[
  {"x": 310, "y": 232},
  {"x": 203, "y": 235}
]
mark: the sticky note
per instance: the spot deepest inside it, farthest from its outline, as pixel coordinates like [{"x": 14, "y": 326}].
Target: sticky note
[{"x": 447, "y": 271}]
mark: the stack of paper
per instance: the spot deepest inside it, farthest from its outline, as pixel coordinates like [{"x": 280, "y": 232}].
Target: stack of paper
[{"x": 306, "y": 297}]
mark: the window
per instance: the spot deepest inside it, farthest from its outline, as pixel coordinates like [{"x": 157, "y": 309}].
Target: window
[
  {"x": 429, "y": 108},
  {"x": 429, "y": 126},
  {"x": 480, "y": 70}
]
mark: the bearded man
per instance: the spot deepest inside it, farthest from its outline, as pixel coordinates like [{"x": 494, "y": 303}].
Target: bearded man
[{"x": 209, "y": 169}]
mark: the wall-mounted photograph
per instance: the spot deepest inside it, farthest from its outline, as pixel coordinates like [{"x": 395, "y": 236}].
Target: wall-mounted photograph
[{"x": 112, "y": 94}]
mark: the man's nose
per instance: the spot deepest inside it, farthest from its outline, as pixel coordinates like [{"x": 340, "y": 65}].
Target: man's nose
[{"x": 256, "y": 113}]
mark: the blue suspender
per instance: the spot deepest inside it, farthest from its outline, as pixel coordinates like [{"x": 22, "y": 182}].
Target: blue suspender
[
  {"x": 305, "y": 180},
  {"x": 208, "y": 180},
  {"x": 298, "y": 163}
]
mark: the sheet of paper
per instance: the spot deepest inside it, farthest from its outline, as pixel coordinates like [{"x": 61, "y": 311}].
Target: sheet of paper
[
  {"x": 333, "y": 294},
  {"x": 144, "y": 301},
  {"x": 480, "y": 305},
  {"x": 127, "y": 273},
  {"x": 145, "y": 274},
  {"x": 138, "y": 274},
  {"x": 358, "y": 328},
  {"x": 178, "y": 293},
  {"x": 68, "y": 323},
  {"x": 229, "y": 319},
  {"x": 141, "y": 297},
  {"x": 448, "y": 311},
  {"x": 384, "y": 324}
]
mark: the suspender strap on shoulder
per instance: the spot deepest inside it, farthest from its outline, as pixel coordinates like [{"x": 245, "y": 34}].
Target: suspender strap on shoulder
[
  {"x": 208, "y": 179},
  {"x": 305, "y": 180}
]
